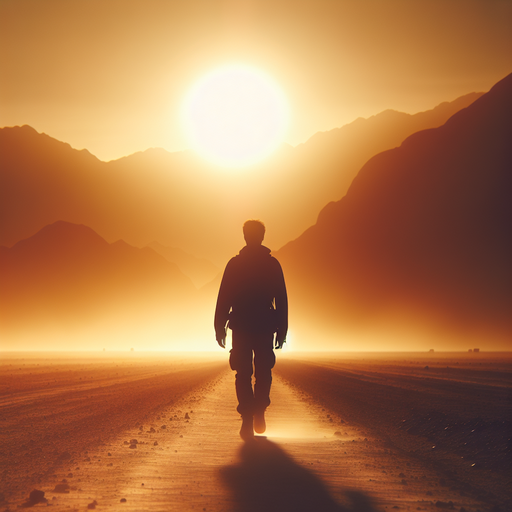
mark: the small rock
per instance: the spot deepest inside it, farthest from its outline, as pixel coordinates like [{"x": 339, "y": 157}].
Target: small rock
[
  {"x": 63, "y": 488},
  {"x": 123, "y": 500},
  {"x": 37, "y": 496},
  {"x": 133, "y": 446},
  {"x": 133, "y": 441},
  {"x": 187, "y": 417},
  {"x": 92, "y": 505}
]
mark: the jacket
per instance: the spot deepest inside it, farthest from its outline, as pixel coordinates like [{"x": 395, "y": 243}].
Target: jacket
[{"x": 252, "y": 295}]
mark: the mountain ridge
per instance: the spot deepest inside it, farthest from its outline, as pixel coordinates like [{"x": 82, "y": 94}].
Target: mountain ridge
[
  {"x": 67, "y": 280},
  {"x": 423, "y": 231},
  {"x": 146, "y": 196}
]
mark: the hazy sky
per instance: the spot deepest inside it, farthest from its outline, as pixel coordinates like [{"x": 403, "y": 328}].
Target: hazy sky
[{"x": 111, "y": 75}]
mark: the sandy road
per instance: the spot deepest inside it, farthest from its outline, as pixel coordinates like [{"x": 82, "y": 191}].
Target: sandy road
[
  {"x": 186, "y": 455},
  {"x": 54, "y": 409},
  {"x": 448, "y": 412}
]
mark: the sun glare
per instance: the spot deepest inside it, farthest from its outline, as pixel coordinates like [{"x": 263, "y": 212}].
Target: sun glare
[{"x": 235, "y": 116}]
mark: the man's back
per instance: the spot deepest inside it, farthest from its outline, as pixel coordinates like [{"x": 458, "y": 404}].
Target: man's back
[{"x": 253, "y": 288}]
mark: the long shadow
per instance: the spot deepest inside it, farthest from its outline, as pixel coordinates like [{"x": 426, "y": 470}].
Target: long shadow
[{"x": 267, "y": 479}]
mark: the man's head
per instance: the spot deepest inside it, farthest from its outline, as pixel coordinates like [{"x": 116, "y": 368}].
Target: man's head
[{"x": 254, "y": 232}]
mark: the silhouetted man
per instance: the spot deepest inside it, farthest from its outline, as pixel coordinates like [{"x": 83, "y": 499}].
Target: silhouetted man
[{"x": 253, "y": 303}]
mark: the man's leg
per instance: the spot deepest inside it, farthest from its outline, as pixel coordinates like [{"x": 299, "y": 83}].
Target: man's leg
[
  {"x": 264, "y": 361},
  {"x": 240, "y": 360}
]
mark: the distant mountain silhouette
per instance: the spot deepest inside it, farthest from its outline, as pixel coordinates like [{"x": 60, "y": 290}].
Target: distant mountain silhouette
[
  {"x": 67, "y": 279},
  {"x": 180, "y": 201},
  {"x": 422, "y": 238},
  {"x": 200, "y": 270}
]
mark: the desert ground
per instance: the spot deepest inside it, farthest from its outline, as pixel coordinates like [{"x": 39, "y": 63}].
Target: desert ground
[{"x": 345, "y": 432}]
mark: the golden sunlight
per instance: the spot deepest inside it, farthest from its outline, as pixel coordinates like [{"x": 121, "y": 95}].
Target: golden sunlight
[{"x": 235, "y": 116}]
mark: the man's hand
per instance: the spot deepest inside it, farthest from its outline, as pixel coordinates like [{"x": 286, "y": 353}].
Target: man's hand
[
  {"x": 220, "y": 336},
  {"x": 279, "y": 343}
]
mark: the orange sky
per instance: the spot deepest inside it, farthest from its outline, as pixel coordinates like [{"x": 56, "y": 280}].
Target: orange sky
[{"x": 110, "y": 76}]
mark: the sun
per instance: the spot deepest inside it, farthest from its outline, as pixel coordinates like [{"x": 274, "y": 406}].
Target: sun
[{"x": 235, "y": 116}]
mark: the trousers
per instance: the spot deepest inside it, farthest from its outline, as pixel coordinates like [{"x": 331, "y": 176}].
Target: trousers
[{"x": 248, "y": 349}]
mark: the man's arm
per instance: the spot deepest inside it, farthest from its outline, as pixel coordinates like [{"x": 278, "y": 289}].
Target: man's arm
[
  {"x": 281, "y": 301},
  {"x": 223, "y": 307}
]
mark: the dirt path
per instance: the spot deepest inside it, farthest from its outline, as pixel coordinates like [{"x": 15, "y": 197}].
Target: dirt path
[{"x": 190, "y": 458}]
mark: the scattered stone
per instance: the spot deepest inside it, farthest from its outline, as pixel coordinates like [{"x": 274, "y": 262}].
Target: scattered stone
[
  {"x": 152, "y": 430},
  {"x": 133, "y": 446},
  {"x": 63, "y": 488},
  {"x": 35, "y": 497},
  {"x": 163, "y": 427},
  {"x": 92, "y": 505},
  {"x": 155, "y": 443},
  {"x": 133, "y": 441},
  {"x": 109, "y": 454}
]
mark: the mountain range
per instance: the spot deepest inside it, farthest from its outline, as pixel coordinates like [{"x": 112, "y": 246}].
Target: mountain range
[
  {"x": 67, "y": 282},
  {"x": 181, "y": 201},
  {"x": 421, "y": 243}
]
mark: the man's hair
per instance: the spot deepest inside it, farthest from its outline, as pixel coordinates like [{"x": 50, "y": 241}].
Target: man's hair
[{"x": 254, "y": 231}]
